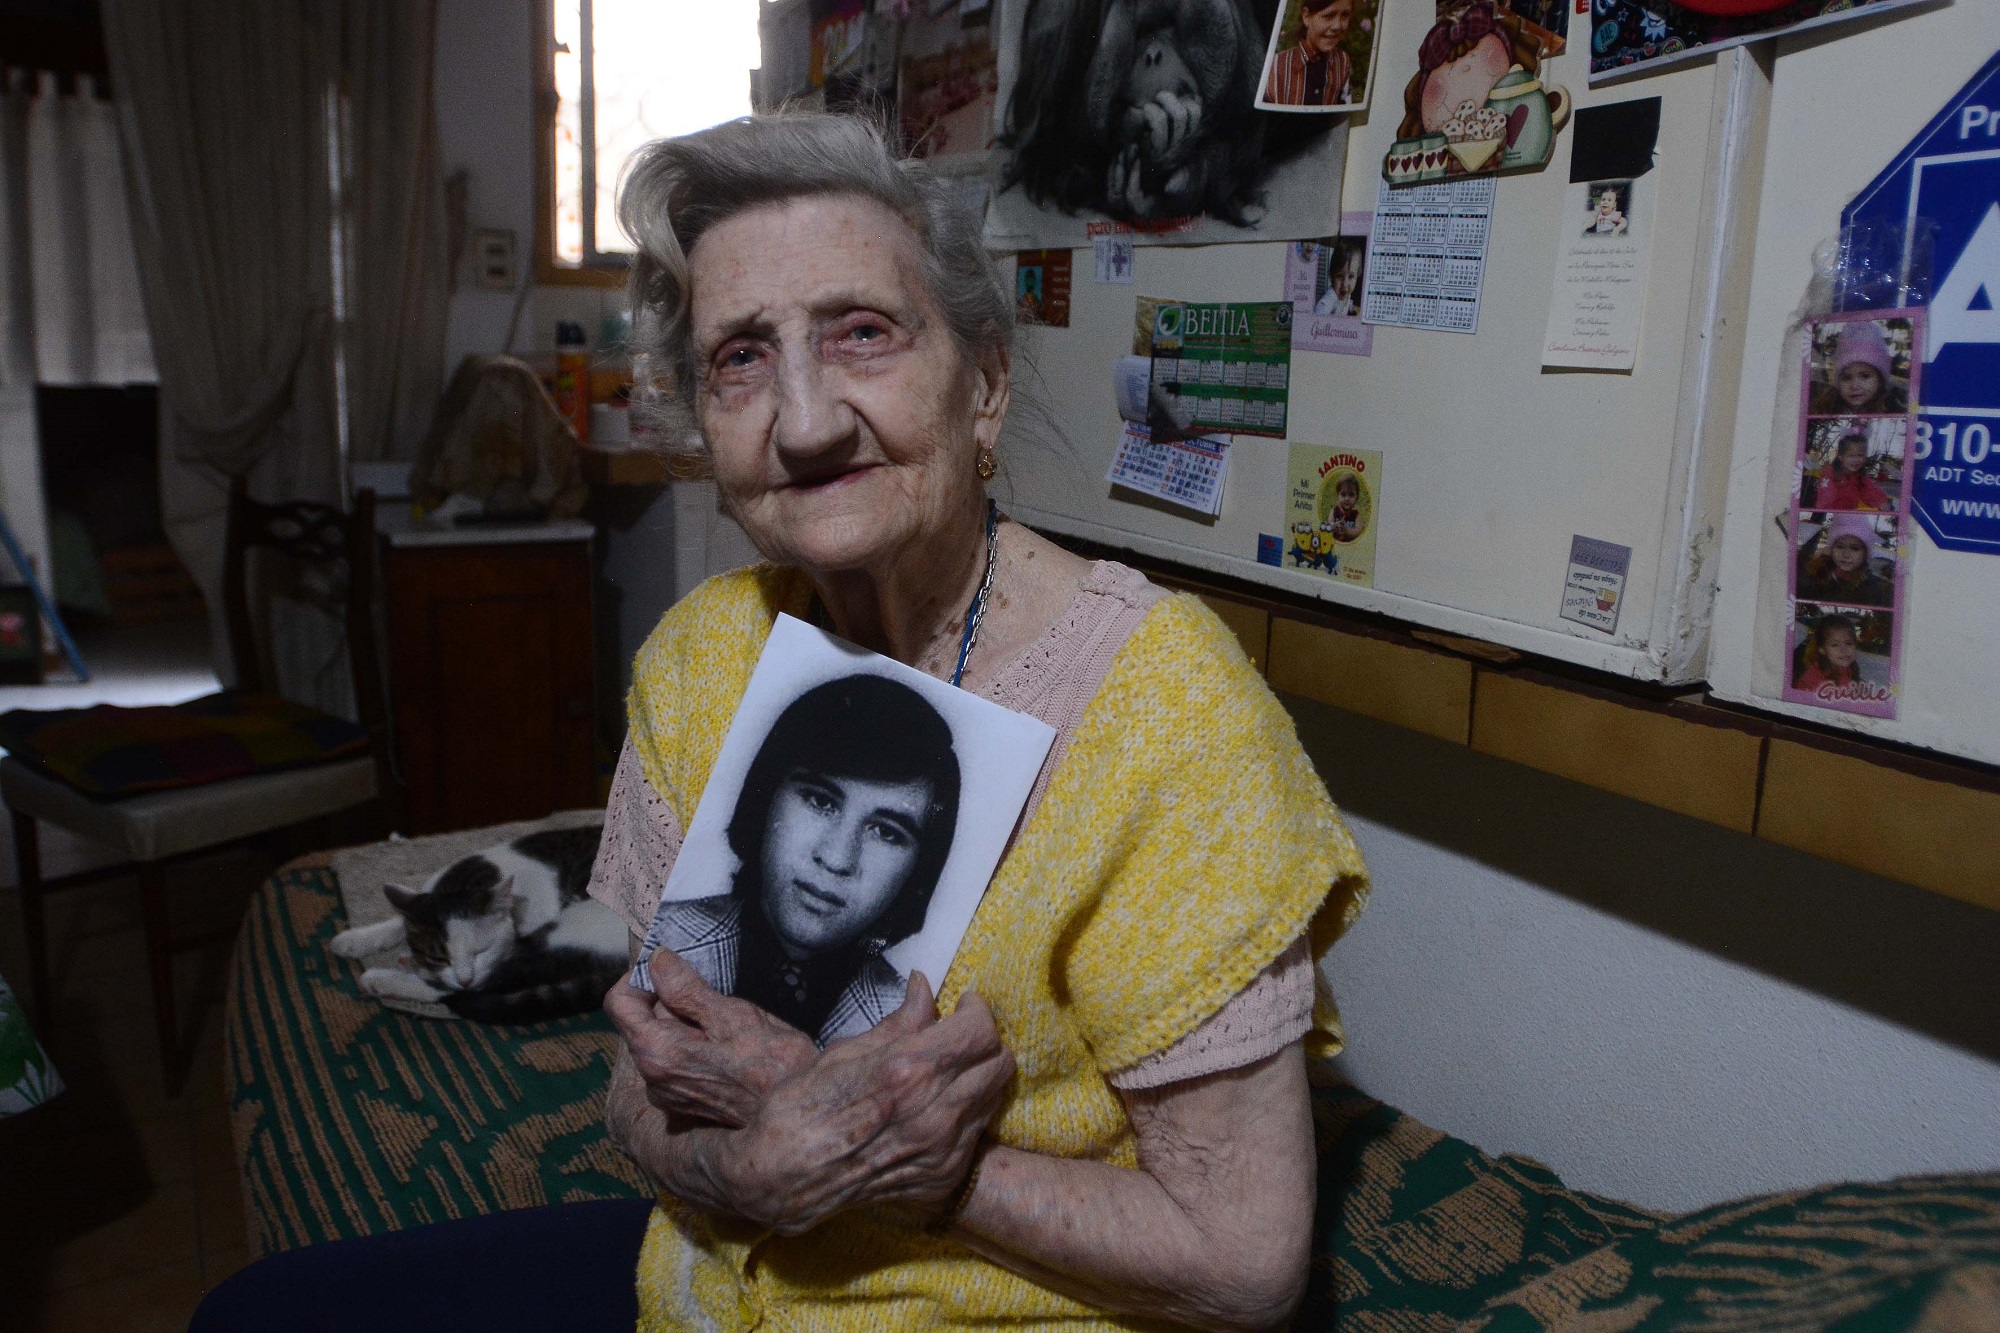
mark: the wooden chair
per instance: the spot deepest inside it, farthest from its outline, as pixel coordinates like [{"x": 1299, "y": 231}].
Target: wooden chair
[{"x": 157, "y": 829}]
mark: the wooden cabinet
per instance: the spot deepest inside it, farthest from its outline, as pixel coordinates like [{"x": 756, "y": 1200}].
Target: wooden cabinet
[{"x": 490, "y": 674}]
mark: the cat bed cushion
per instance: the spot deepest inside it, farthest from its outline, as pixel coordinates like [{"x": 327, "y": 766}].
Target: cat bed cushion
[
  {"x": 351, "y": 1120},
  {"x": 107, "y": 751},
  {"x": 362, "y": 871}
]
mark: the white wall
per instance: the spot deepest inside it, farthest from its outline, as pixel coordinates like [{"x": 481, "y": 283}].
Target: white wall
[
  {"x": 1659, "y": 1009},
  {"x": 486, "y": 124},
  {"x": 485, "y": 110}
]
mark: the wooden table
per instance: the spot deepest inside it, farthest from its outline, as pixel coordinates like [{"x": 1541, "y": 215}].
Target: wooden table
[{"x": 490, "y": 671}]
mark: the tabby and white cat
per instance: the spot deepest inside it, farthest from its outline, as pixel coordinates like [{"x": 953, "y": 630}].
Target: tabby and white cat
[{"x": 507, "y": 935}]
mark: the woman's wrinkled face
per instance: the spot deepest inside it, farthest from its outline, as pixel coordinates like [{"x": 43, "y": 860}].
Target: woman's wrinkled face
[
  {"x": 837, "y": 851},
  {"x": 1848, "y": 554},
  {"x": 1470, "y": 78},
  {"x": 840, "y": 415},
  {"x": 1853, "y": 456},
  {"x": 1840, "y": 647},
  {"x": 1858, "y": 383}
]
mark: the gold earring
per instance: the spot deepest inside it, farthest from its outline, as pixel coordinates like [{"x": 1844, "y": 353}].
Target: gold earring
[{"x": 984, "y": 465}]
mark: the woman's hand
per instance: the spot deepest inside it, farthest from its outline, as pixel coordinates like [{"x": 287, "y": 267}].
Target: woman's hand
[
  {"x": 704, "y": 1056},
  {"x": 892, "y": 1116}
]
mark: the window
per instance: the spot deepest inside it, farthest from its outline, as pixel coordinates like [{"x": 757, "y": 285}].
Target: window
[{"x": 617, "y": 74}]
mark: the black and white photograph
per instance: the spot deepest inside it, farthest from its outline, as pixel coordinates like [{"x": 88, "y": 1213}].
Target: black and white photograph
[
  {"x": 850, "y": 825},
  {"x": 1144, "y": 112}
]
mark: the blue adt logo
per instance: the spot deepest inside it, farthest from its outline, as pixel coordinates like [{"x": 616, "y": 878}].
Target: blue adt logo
[{"x": 1950, "y": 175}]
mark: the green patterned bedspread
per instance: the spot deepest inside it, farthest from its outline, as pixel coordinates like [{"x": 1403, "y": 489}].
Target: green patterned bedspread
[{"x": 351, "y": 1119}]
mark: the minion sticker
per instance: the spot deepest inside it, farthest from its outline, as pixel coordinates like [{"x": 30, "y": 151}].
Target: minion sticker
[
  {"x": 1332, "y": 498},
  {"x": 1304, "y": 545}
]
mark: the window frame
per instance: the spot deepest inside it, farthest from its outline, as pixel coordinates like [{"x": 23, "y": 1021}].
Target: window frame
[{"x": 597, "y": 270}]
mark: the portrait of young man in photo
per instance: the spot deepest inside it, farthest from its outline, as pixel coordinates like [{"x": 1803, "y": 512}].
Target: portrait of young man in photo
[{"x": 842, "y": 828}]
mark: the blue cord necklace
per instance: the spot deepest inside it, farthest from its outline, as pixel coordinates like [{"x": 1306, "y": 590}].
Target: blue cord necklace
[{"x": 977, "y": 611}]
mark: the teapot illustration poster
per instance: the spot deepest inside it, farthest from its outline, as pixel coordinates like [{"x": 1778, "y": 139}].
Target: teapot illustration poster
[{"x": 1477, "y": 103}]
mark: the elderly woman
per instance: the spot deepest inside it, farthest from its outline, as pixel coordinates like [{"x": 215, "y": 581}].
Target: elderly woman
[{"x": 1111, "y": 1122}]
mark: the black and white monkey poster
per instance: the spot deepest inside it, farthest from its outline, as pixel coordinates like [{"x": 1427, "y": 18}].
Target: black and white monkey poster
[
  {"x": 846, "y": 834},
  {"x": 1141, "y": 115}
]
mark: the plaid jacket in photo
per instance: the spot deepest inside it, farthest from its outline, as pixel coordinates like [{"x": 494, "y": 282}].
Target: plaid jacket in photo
[
  {"x": 1287, "y": 84},
  {"x": 708, "y": 934}
]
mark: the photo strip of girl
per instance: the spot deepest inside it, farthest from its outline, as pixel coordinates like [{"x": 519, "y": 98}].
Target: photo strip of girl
[
  {"x": 851, "y": 822},
  {"x": 1859, "y": 388}
]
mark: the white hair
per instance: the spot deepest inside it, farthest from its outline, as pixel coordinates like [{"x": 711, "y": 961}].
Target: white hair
[{"x": 675, "y": 190}]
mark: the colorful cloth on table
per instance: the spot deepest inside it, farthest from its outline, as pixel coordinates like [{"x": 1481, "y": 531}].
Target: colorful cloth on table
[
  {"x": 107, "y": 751},
  {"x": 1182, "y": 841}
]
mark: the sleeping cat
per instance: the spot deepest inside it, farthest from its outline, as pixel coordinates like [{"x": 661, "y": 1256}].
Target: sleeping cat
[{"x": 507, "y": 935}]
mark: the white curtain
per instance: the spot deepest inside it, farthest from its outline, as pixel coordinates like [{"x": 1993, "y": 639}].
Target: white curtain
[
  {"x": 237, "y": 119},
  {"x": 20, "y": 446},
  {"x": 89, "y": 321},
  {"x": 399, "y": 268}
]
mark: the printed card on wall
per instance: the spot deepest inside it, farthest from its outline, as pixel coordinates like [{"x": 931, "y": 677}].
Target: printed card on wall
[
  {"x": 1482, "y": 100},
  {"x": 1144, "y": 116},
  {"x": 949, "y": 78},
  {"x": 1427, "y": 255},
  {"x": 1332, "y": 505},
  {"x": 1849, "y": 522},
  {"x": 1041, "y": 287},
  {"x": 1212, "y": 368},
  {"x": 1594, "y": 585},
  {"x": 1111, "y": 258},
  {"x": 1631, "y": 35},
  {"x": 851, "y": 822},
  {"x": 1323, "y": 279},
  {"x": 1189, "y": 473},
  {"x": 1604, "y": 240}
]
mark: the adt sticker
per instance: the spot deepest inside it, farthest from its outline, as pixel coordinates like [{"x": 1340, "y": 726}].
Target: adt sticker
[{"x": 1950, "y": 175}]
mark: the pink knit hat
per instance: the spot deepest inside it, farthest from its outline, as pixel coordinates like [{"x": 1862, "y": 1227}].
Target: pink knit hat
[
  {"x": 1858, "y": 526},
  {"x": 1862, "y": 342}
]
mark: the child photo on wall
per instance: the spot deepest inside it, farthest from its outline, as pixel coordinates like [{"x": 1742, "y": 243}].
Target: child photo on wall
[
  {"x": 1607, "y": 205},
  {"x": 1841, "y": 654},
  {"x": 1320, "y": 56},
  {"x": 1853, "y": 463},
  {"x": 1342, "y": 260},
  {"x": 1848, "y": 558},
  {"x": 1860, "y": 367}
]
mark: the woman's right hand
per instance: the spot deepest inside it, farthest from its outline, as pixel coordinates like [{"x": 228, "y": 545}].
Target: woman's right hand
[
  {"x": 704, "y": 1056},
  {"x": 892, "y": 1116}
]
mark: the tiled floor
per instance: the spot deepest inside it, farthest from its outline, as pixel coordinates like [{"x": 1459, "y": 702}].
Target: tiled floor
[{"x": 118, "y": 1202}]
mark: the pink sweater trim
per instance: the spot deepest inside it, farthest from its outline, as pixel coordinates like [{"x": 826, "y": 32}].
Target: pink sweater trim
[{"x": 1053, "y": 679}]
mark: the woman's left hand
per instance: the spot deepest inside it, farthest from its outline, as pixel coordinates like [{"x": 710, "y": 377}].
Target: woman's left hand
[
  {"x": 892, "y": 1116},
  {"x": 704, "y": 1056}
]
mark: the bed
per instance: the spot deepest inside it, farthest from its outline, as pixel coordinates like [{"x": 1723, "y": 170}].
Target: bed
[{"x": 351, "y": 1119}]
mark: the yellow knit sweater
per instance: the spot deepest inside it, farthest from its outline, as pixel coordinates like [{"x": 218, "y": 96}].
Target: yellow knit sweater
[{"x": 1182, "y": 844}]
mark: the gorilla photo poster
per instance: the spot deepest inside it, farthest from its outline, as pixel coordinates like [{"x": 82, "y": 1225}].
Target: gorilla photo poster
[
  {"x": 1141, "y": 116},
  {"x": 850, "y": 825}
]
